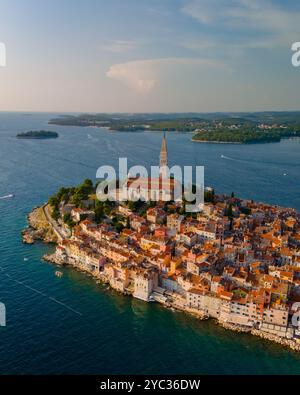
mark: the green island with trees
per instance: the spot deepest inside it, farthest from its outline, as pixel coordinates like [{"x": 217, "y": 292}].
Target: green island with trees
[
  {"x": 245, "y": 136},
  {"x": 37, "y": 134}
]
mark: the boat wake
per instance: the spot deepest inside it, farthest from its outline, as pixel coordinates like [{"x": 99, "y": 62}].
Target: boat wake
[
  {"x": 227, "y": 157},
  {"x": 7, "y": 197}
]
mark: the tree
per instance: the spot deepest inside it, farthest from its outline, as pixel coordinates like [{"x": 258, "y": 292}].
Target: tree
[
  {"x": 88, "y": 184},
  {"x": 209, "y": 195},
  {"x": 182, "y": 208},
  {"x": 67, "y": 217},
  {"x": 245, "y": 210},
  {"x": 55, "y": 214},
  {"x": 229, "y": 211},
  {"x": 107, "y": 210},
  {"x": 119, "y": 227},
  {"x": 99, "y": 212},
  {"x": 53, "y": 201},
  {"x": 68, "y": 220},
  {"x": 82, "y": 192}
]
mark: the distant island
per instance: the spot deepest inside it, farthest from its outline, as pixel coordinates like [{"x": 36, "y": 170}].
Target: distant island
[
  {"x": 242, "y": 128},
  {"x": 37, "y": 134},
  {"x": 245, "y": 136}
]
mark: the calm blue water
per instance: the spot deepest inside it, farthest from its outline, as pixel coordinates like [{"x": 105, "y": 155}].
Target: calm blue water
[{"x": 72, "y": 325}]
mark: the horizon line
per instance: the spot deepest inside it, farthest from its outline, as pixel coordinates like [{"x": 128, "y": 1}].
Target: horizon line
[{"x": 147, "y": 112}]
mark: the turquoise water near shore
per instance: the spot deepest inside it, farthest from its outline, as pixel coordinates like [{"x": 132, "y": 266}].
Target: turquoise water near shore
[{"x": 71, "y": 324}]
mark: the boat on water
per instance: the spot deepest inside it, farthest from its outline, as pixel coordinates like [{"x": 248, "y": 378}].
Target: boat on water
[
  {"x": 10, "y": 196},
  {"x": 58, "y": 274},
  {"x": 151, "y": 299}
]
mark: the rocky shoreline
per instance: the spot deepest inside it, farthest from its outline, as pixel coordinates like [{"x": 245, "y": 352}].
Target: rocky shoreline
[
  {"x": 53, "y": 258},
  {"x": 38, "y": 228},
  {"x": 283, "y": 341},
  {"x": 263, "y": 335}
]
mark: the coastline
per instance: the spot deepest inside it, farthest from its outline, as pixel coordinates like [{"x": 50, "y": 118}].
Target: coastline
[
  {"x": 38, "y": 228},
  {"x": 54, "y": 259},
  {"x": 35, "y": 138},
  {"x": 215, "y": 142},
  {"x": 169, "y": 302}
]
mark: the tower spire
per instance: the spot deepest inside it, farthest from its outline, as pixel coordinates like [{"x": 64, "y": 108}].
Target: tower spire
[{"x": 163, "y": 153}]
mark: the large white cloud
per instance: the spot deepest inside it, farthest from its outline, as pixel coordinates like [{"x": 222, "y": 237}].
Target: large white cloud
[
  {"x": 137, "y": 75},
  {"x": 143, "y": 75}
]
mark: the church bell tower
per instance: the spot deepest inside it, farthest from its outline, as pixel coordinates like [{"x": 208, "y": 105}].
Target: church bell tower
[{"x": 163, "y": 155}]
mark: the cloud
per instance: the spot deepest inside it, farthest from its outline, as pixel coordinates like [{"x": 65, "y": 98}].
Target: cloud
[
  {"x": 119, "y": 46},
  {"x": 276, "y": 25},
  {"x": 142, "y": 76},
  {"x": 209, "y": 43},
  {"x": 137, "y": 75}
]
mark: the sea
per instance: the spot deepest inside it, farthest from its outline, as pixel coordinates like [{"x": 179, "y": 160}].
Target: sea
[{"x": 71, "y": 324}]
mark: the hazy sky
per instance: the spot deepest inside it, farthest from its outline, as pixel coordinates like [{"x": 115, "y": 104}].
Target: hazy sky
[{"x": 149, "y": 55}]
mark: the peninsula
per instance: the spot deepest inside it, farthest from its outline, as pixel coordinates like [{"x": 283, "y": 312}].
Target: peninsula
[
  {"x": 242, "y": 128},
  {"x": 37, "y": 134},
  {"x": 237, "y": 261},
  {"x": 245, "y": 136}
]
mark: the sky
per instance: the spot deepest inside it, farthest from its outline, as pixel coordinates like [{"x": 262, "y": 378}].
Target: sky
[{"x": 149, "y": 55}]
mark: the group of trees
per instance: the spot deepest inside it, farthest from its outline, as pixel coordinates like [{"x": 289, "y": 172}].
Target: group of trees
[
  {"x": 209, "y": 195},
  {"x": 55, "y": 200},
  {"x": 246, "y": 135},
  {"x": 34, "y": 134},
  {"x": 82, "y": 192},
  {"x": 75, "y": 195},
  {"x": 68, "y": 220},
  {"x": 103, "y": 209}
]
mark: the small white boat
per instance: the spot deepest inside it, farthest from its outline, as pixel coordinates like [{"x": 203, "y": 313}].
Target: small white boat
[
  {"x": 151, "y": 299},
  {"x": 26, "y": 259},
  {"x": 58, "y": 274},
  {"x": 10, "y": 196}
]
